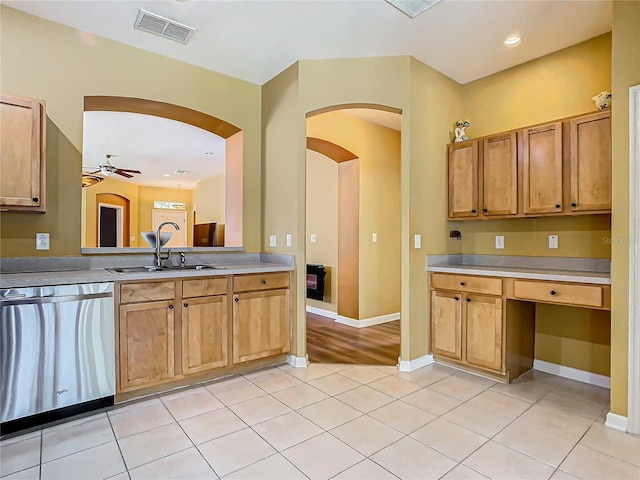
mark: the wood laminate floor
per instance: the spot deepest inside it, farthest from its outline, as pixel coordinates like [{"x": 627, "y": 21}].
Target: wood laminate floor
[{"x": 331, "y": 342}]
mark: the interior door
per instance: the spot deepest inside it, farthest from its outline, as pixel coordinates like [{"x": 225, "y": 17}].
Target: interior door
[{"x": 179, "y": 237}]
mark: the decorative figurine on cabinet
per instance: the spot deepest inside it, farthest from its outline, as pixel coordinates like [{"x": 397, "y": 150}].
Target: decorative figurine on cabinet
[
  {"x": 461, "y": 125},
  {"x": 603, "y": 100}
]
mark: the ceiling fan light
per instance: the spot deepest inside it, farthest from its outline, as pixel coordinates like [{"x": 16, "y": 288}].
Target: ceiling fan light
[{"x": 105, "y": 171}]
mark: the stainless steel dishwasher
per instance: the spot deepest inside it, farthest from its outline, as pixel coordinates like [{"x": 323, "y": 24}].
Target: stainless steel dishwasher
[{"x": 57, "y": 352}]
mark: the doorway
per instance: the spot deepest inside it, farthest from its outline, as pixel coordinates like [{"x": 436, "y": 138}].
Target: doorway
[
  {"x": 110, "y": 225},
  {"x": 179, "y": 237},
  {"x": 353, "y": 233}
]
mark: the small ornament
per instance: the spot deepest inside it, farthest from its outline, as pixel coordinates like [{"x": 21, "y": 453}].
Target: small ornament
[
  {"x": 603, "y": 100},
  {"x": 461, "y": 125}
]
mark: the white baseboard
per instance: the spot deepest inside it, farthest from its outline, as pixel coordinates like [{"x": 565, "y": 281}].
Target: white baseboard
[
  {"x": 367, "y": 322},
  {"x": 617, "y": 422},
  {"x": 572, "y": 373},
  {"x": 416, "y": 363},
  {"x": 322, "y": 312},
  {"x": 298, "y": 362}
]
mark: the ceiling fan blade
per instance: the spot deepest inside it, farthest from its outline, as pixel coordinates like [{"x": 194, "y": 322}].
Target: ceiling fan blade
[
  {"x": 126, "y": 175},
  {"x": 127, "y": 170},
  {"x": 91, "y": 173}
]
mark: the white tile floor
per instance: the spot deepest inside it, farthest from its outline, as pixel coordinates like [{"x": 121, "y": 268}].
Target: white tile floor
[{"x": 343, "y": 422}]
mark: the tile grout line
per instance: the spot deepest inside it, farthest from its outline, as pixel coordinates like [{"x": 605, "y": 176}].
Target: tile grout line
[{"x": 124, "y": 462}]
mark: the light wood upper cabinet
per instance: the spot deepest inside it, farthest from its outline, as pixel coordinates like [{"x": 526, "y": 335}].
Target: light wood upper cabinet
[
  {"x": 542, "y": 169},
  {"x": 146, "y": 343},
  {"x": 484, "y": 337},
  {"x": 446, "y": 324},
  {"x": 22, "y": 154},
  {"x": 463, "y": 179},
  {"x": 204, "y": 333},
  {"x": 500, "y": 175},
  {"x": 590, "y": 187}
]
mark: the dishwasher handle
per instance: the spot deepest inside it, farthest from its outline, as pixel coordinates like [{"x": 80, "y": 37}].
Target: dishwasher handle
[{"x": 59, "y": 299}]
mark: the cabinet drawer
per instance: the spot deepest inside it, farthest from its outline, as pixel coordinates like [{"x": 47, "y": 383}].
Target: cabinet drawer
[
  {"x": 204, "y": 287},
  {"x": 265, "y": 281},
  {"x": 466, "y": 283},
  {"x": 553, "y": 292},
  {"x": 147, "y": 291}
]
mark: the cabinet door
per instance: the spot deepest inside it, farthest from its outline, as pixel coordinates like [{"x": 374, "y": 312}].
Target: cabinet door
[
  {"x": 542, "y": 169},
  {"x": 463, "y": 179},
  {"x": 500, "y": 175},
  {"x": 22, "y": 153},
  {"x": 591, "y": 162},
  {"x": 204, "y": 334},
  {"x": 260, "y": 324},
  {"x": 446, "y": 324},
  {"x": 483, "y": 317},
  {"x": 146, "y": 343}
]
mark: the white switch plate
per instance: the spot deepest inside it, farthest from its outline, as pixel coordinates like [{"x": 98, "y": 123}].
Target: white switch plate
[
  {"x": 499, "y": 241},
  {"x": 417, "y": 241},
  {"x": 313, "y": 238},
  {"x": 288, "y": 239},
  {"x": 553, "y": 241},
  {"x": 374, "y": 237},
  {"x": 272, "y": 240},
  {"x": 42, "y": 241}
]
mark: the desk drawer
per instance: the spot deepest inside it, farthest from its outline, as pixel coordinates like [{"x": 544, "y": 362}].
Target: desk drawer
[
  {"x": 466, "y": 283},
  {"x": 564, "y": 293},
  {"x": 147, "y": 292},
  {"x": 264, "y": 281},
  {"x": 204, "y": 287}
]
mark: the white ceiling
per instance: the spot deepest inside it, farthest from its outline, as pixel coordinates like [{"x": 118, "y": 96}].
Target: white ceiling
[
  {"x": 256, "y": 40},
  {"x": 156, "y": 146}
]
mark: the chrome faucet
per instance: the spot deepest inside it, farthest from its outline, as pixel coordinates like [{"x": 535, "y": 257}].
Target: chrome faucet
[
  {"x": 158, "y": 253},
  {"x": 183, "y": 259}
]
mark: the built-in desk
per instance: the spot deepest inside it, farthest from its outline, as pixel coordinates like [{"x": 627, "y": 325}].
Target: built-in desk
[{"x": 483, "y": 318}]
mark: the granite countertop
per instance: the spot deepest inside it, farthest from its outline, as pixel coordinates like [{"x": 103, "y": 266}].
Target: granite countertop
[
  {"x": 96, "y": 275},
  {"x": 559, "y": 269}
]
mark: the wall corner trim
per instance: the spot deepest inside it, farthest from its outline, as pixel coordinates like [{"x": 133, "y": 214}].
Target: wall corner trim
[
  {"x": 615, "y": 421},
  {"x": 416, "y": 363},
  {"x": 297, "y": 362},
  {"x": 572, "y": 373}
]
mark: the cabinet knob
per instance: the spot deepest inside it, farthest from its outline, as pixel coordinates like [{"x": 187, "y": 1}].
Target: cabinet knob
[
  {"x": 457, "y": 298},
  {"x": 552, "y": 292},
  {"x": 484, "y": 210},
  {"x": 35, "y": 199},
  {"x": 468, "y": 300},
  {"x": 170, "y": 307},
  {"x": 574, "y": 204},
  {"x": 557, "y": 205},
  {"x": 186, "y": 305},
  {"x": 263, "y": 282},
  {"x": 236, "y": 299},
  {"x": 474, "y": 211},
  {"x": 462, "y": 284}
]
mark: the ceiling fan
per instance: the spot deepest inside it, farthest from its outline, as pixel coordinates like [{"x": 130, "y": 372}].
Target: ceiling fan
[{"x": 107, "y": 169}]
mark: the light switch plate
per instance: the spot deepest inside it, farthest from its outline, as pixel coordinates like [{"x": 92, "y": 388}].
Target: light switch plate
[
  {"x": 42, "y": 241},
  {"x": 313, "y": 238},
  {"x": 272, "y": 240},
  {"x": 374, "y": 237},
  {"x": 417, "y": 241},
  {"x": 288, "y": 239},
  {"x": 499, "y": 241},
  {"x": 553, "y": 241}
]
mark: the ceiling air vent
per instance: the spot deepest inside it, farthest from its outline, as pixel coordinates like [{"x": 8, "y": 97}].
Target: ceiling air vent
[
  {"x": 152, "y": 23},
  {"x": 413, "y": 8}
]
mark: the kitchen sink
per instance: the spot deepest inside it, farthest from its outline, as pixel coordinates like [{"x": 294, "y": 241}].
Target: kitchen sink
[{"x": 169, "y": 268}]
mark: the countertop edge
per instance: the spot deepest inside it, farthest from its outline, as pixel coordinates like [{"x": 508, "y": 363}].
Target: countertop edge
[{"x": 576, "y": 277}]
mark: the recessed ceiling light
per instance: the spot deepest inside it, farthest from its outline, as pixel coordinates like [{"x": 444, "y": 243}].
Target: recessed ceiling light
[
  {"x": 166, "y": 175},
  {"x": 181, "y": 172},
  {"x": 512, "y": 40},
  {"x": 208, "y": 153}
]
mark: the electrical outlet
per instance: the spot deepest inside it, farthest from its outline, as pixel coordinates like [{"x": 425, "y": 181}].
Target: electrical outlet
[
  {"x": 288, "y": 239},
  {"x": 553, "y": 241},
  {"x": 272, "y": 240},
  {"x": 417, "y": 241},
  {"x": 42, "y": 241},
  {"x": 499, "y": 241},
  {"x": 374, "y": 237},
  {"x": 313, "y": 238}
]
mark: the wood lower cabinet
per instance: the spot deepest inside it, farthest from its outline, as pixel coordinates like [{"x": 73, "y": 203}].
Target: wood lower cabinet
[
  {"x": 146, "y": 343},
  {"x": 22, "y": 154},
  {"x": 204, "y": 334},
  {"x": 483, "y": 346},
  {"x": 261, "y": 319},
  {"x": 446, "y": 324}
]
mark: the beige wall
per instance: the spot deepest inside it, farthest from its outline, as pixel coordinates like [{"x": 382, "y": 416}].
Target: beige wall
[
  {"x": 378, "y": 149},
  {"x": 322, "y": 220},
  {"x": 208, "y": 200},
  {"x": 148, "y": 195},
  {"x": 236, "y": 183},
  {"x": 626, "y": 73},
  {"x": 42, "y": 59}
]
